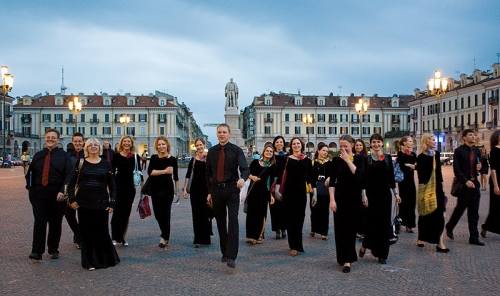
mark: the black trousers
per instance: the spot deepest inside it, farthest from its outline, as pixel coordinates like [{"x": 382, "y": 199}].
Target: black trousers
[
  {"x": 226, "y": 206},
  {"x": 320, "y": 215},
  {"x": 162, "y": 208},
  {"x": 469, "y": 200},
  {"x": 70, "y": 215},
  {"x": 46, "y": 210},
  {"x": 121, "y": 214}
]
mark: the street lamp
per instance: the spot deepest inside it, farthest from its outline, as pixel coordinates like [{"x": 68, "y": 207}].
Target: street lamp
[
  {"x": 437, "y": 86},
  {"x": 7, "y": 83},
  {"x": 75, "y": 107},
  {"x": 124, "y": 121},
  {"x": 361, "y": 107},
  {"x": 308, "y": 119}
]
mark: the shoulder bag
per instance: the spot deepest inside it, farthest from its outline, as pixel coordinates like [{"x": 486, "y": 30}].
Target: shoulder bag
[{"x": 137, "y": 173}]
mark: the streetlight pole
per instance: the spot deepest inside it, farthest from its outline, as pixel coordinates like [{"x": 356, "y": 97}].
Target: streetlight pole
[
  {"x": 124, "y": 120},
  {"x": 308, "y": 120},
  {"x": 437, "y": 87},
  {"x": 75, "y": 107},
  {"x": 7, "y": 83},
  {"x": 361, "y": 108}
]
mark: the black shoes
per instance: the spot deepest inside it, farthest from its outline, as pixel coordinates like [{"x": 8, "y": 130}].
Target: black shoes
[
  {"x": 449, "y": 234},
  {"x": 382, "y": 261},
  {"x": 35, "y": 257},
  {"x": 420, "y": 245},
  {"x": 476, "y": 242},
  {"x": 231, "y": 263},
  {"x": 54, "y": 255},
  {"x": 483, "y": 232},
  {"x": 223, "y": 259},
  {"x": 346, "y": 269},
  {"x": 439, "y": 250}
]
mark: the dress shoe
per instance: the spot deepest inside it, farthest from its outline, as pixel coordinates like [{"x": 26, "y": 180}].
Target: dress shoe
[
  {"x": 440, "y": 250},
  {"x": 35, "y": 257},
  {"x": 346, "y": 269},
  {"x": 362, "y": 252},
  {"x": 476, "y": 242},
  {"x": 115, "y": 243},
  {"x": 483, "y": 232},
  {"x": 420, "y": 245},
  {"x": 223, "y": 259},
  {"x": 231, "y": 263},
  {"x": 163, "y": 243},
  {"x": 449, "y": 234},
  {"x": 91, "y": 268},
  {"x": 293, "y": 253},
  {"x": 125, "y": 244},
  {"x": 54, "y": 255},
  {"x": 324, "y": 237},
  {"x": 382, "y": 261}
]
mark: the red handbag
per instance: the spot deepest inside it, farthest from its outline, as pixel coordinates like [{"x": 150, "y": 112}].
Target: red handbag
[{"x": 143, "y": 208}]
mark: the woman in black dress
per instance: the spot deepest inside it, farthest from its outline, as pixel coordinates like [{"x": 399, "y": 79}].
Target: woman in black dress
[
  {"x": 345, "y": 200},
  {"x": 431, "y": 225},
  {"x": 162, "y": 167},
  {"x": 196, "y": 186},
  {"x": 407, "y": 190},
  {"x": 380, "y": 186},
  {"x": 492, "y": 223},
  {"x": 259, "y": 195},
  {"x": 125, "y": 160},
  {"x": 277, "y": 211},
  {"x": 295, "y": 179},
  {"x": 485, "y": 167},
  {"x": 320, "y": 200},
  {"x": 361, "y": 150},
  {"x": 94, "y": 200}
]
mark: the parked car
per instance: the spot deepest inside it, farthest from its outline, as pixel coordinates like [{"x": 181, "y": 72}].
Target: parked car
[{"x": 446, "y": 158}]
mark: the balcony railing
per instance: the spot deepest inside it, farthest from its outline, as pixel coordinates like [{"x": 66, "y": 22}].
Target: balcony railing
[
  {"x": 162, "y": 120},
  {"x": 493, "y": 100},
  {"x": 26, "y": 119},
  {"x": 396, "y": 121},
  {"x": 414, "y": 116},
  {"x": 92, "y": 120},
  {"x": 332, "y": 120},
  {"x": 70, "y": 120},
  {"x": 23, "y": 135},
  {"x": 268, "y": 120},
  {"x": 396, "y": 134}
]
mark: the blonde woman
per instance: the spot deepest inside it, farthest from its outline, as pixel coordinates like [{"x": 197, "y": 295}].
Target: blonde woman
[
  {"x": 162, "y": 167},
  {"x": 430, "y": 185},
  {"x": 94, "y": 200},
  {"x": 124, "y": 162}
]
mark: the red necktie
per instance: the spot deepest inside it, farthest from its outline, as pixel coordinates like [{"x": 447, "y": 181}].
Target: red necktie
[
  {"x": 472, "y": 160},
  {"x": 220, "y": 165},
  {"x": 46, "y": 169}
]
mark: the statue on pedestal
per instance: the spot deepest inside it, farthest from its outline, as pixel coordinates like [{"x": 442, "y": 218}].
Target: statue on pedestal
[{"x": 231, "y": 93}]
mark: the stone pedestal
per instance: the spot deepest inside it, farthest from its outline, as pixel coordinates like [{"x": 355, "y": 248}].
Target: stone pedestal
[{"x": 232, "y": 117}]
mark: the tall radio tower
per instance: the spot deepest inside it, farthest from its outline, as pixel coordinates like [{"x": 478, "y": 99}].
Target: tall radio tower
[{"x": 63, "y": 87}]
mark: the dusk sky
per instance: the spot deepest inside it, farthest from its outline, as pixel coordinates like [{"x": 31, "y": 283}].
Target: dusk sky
[{"x": 190, "y": 49}]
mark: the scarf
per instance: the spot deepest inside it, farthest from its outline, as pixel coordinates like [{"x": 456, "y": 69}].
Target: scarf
[
  {"x": 430, "y": 152},
  {"x": 267, "y": 164}
]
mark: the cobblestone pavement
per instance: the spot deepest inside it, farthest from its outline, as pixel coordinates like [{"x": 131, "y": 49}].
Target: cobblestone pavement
[{"x": 261, "y": 270}]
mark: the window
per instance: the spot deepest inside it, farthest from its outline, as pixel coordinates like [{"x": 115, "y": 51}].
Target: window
[
  {"x": 298, "y": 117},
  {"x": 343, "y": 130},
  {"x": 354, "y": 130},
  {"x": 131, "y": 102},
  {"x": 107, "y": 102},
  {"x": 162, "y": 118},
  {"x": 143, "y": 117},
  {"x": 377, "y": 118},
  {"x": 82, "y": 117},
  {"x": 26, "y": 130},
  {"x": 58, "y": 117},
  {"x": 456, "y": 121},
  {"x": 93, "y": 131},
  {"x": 366, "y": 130},
  {"x": 287, "y": 117},
  {"x": 483, "y": 117},
  {"x": 267, "y": 101},
  {"x": 377, "y": 130},
  {"x": 321, "y": 117},
  {"x": 484, "y": 98},
  {"x": 297, "y": 130},
  {"x": 475, "y": 100},
  {"x": 321, "y": 130},
  {"x": 287, "y": 130},
  {"x": 298, "y": 101},
  {"x": 106, "y": 117},
  {"x": 354, "y": 118},
  {"x": 321, "y": 102},
  {"x": 267, "y": 130},
  {"x": 118, "y": 130},
  {"x": 106, "y": 130},
  {"x": 162, "y": 103},
  {"x": 468, "y": 119},
  {"x": 332, "y": 130},
  {"x": 143, "y": 130},
  {"x": 131, "y": 130},
  {"x": 456, "y": 104},
  {"x": 46, "y": 117},
  {"x": 162, "y": 130},
  {"x": 475, "y": 118},
  {"x": 343, "y": 103},
  {"x": 310, "y": 130},
  {"x": 444, "y": 106},
  {"x": 449, "y": 122},
  {"x": 461, "y": 103},
  {"x": 81, "y": 129}
]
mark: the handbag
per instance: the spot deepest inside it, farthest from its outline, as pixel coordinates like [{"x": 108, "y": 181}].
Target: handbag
[
  {"x": 396, "y": 226},
  {"x": 426, "y": 195},
  {"x": 137, "y": 173},
  {"x": 188, "y": 187},
  {"x": 143, "y": 207},
  {"x": 456, "y": 187},
  {"x": 399, "y": 176},
  {"x": 283, "y": 178},
  {"x": 80, "y": 165}
]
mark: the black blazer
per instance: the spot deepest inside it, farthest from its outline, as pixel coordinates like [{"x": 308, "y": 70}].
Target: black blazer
[{"x": 234, "y": 162}]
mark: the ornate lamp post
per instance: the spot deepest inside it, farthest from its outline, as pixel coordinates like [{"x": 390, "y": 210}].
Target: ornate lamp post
[
  {"x": 75, "y": 107},
  {"x": 124, "y": 121},
  {"x": 361, "y": 108},
  {"x": 437, "y": 86},
  {"x": 7, "y": 84},
  {"x": 308, "y": 121}
]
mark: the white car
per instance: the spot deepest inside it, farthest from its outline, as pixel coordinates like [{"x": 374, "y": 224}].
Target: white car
[{"x": 446, "y": 158}]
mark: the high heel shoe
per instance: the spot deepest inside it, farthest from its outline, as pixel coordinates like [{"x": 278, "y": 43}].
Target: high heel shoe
[
  {"x": 483, "y": 232},
  {"x": 420, "y": 245},
  {"x": 362, "y": 252},
  {"x": 440, "y": 250}
]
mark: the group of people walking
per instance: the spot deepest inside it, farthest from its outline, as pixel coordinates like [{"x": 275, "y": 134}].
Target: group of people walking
[{"x": 358, "y": 186}]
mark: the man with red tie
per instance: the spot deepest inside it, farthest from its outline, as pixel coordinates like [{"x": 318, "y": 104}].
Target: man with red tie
[
  {"x": 226, "y": 173},
  {"x": 49, "y": 172}
]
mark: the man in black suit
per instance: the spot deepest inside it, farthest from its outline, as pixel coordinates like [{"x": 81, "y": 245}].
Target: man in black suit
[
  {"x": 75, "y": 154},
  {"x": 226, "y": 173},
  {"x": 466, "y": 167}
]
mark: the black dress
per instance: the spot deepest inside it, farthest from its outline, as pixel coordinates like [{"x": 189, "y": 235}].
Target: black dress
[
  {"x": 407, "y": 190},
  {"x": 277, "y": 209},
  {"x": 202, "y": 223},
  {"x": 162, "y": 191},
  {"x": 363, "y": 211},
  {"x": 93, "y": 198},
  {"x": 123, "y": 167},
  {"x": 298, "y": 173},
  {"x": 257, "y": 199},
  {"x": 348, "y": 200},
  {"x": 492, "y": 222},
  {"x": 430, "y": 227},
  {"x": 379, "y": 180},
  {"x": 320, "y": 213}
]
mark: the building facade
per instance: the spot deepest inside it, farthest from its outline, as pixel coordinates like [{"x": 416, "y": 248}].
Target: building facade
[
  {"x": 332, "y": 116},
  {"x": 150, "y": 116},
  {"x": 470, "y": 102},
  {"x": 6, "y": 136}
]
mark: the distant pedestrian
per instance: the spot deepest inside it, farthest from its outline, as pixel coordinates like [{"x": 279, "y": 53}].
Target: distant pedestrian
[
  {"x": 125, "y": 160},
  {"x": 107, "y": 151},
  {"x": 164, "y": 178},
  {"x": 226, "y": 173},
  {"x": 47, "y": 176},
  {"x": 94, "y": 200},
  {"x": 431, "y": 198},
  {"x": 320, "y": 200},
  {"x": 466, "y": 167},
  {"x": 25, "y": 158},
  {"x": 407, "y": 160},
  {"x": 361, "y": 150},
  {"x": 485, "y": 167},
  {"x": 277, "y": 210},
  {"x": 195, "y": 185},
  {"x": 76, "y": 154},
  {"x": 492, "y": 223}
]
